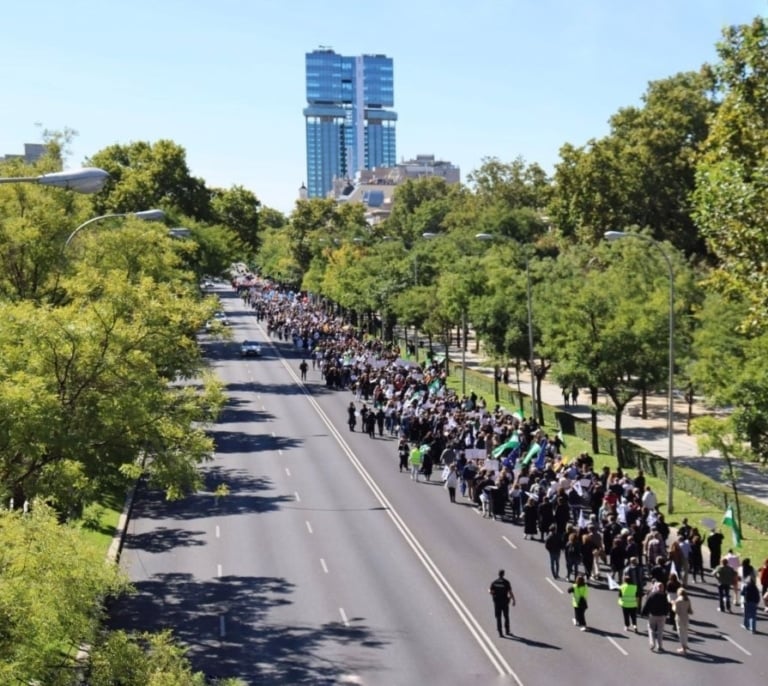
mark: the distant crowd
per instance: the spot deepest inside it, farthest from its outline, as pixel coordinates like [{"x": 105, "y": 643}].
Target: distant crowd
[{"x": 509, "y": 467}]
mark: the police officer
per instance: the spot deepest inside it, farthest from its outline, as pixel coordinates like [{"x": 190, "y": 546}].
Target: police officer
[
  {"x": 501, "y": 592},
  {"x": 403, "y": 451}
]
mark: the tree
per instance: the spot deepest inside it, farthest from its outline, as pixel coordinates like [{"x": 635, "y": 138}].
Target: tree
[
  {"x": 87, "y": 387},
  {"x": 34, "y": 224},
  {"x": 420, "y": 206},
  {"x": 238, "y": 210},
  {"x": 642, "y": 173},
  {"x": 731, "y": 179},
  {"x": 515, "y": 185},
  {"x": 147, "y": 175},
  {"x": 611, "y": 327},
  {"x": 49, "y": 598},
  {"x": 144, "y": 660}
]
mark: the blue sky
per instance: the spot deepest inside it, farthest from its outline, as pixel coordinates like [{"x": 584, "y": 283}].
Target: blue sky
[{"x": 225, "y": 78}]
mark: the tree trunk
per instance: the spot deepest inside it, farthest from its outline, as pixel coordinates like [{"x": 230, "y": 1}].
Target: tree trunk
[
  {"x": 593, "y": 418},
  {"x": 618, "y": 412},
  {"x": 644, "y": 411}
]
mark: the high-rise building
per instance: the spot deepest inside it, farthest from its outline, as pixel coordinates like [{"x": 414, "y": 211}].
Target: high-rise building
[{"x": 349, "y": 125}]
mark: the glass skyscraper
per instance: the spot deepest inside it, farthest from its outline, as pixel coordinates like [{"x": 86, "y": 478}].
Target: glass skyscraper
[{"x": 349, "y": 127}]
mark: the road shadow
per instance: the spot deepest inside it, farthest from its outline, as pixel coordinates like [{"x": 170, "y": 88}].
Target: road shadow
[
  {"x": 163, "y": 539},
  {"x": 531, "y": 642},
  {"x": 227, "y": 625},
  {"x": 228, "y": 442},
  {"x": 246, "y": 494}
]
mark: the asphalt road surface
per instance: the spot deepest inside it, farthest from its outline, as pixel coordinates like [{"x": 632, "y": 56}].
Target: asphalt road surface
[{"x": 325, "y": 565}]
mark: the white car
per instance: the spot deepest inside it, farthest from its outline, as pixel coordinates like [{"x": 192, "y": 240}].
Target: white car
[
  {"x": 218, "y": 318},
  {"x": 250, "y": 349}
]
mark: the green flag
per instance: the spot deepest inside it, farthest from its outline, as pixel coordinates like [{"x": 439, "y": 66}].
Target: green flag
[
  {"x": 730, "y": 520},
  {"x": 533, "y": 451},
  {"x": 511, "y": 444}
]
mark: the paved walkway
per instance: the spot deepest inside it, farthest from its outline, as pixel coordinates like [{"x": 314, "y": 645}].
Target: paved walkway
[{"x": 650, "y": 433}]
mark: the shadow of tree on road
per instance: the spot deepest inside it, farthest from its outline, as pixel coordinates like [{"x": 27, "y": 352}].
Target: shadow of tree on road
[
  {"x": 226, "y": 625},
  {"x": 247, "y": 494},
  {"x": 163, "y": 539}
]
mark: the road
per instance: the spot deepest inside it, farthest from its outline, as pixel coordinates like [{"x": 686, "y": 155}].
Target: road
[{"x": 325, "y": 565}]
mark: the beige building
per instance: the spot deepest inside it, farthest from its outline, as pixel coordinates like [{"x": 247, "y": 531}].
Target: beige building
[{"x": 375, "y": 188}]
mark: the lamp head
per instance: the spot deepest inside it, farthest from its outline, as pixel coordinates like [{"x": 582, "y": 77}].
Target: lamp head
[
  {"x": 149, "y": 215},
  {"x": 614, "y": 235}
]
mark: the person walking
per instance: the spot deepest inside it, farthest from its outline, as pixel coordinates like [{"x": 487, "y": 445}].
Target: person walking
[
  {"x": 628, "y": 602},
  {"x": 572, "y": 556},
  {"x": 415, "y": 461},
  {"x": 751, "y": 596},
  {"x": 683, "y": 610},
  {"x": 403, "y": 451},
  {"x": 303, "y": 369},
  {"x": 724, "y": 575},
  {"x": 451, "y": 481},
  {"x": 554, "y": 544},
  {"x": 673, "y": 585},
  {"x": 501, "y": 592},
  {"x": 351, "y": 416},
  {"x": 426, "y": 462},
  {"x": 715, "y": 545},
  {"x": 762, "y": 575},
  {"x": 656, "y": 608},
  {"x": 579, "y": 592}
]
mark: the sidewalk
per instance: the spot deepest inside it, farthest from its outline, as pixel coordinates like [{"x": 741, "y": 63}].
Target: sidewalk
[{"x": 650, "y": 433}]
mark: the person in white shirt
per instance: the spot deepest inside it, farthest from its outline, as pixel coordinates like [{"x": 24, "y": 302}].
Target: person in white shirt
[
  {"x": 649, "y": 499},
  {"x": 734, "y": 561}
]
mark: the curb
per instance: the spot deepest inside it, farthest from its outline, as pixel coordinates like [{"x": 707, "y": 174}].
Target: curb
[{"x": 118, "y": 539}]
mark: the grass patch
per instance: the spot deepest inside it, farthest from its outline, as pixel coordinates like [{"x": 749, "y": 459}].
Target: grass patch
[{"x": 100, "y": 519}]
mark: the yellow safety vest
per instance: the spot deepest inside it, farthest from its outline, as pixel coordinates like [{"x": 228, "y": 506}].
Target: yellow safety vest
[{"x": 628, "y": 597}]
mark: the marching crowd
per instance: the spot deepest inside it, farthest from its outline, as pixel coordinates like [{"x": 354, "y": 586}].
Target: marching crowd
[{"x": 511, "y": 469}]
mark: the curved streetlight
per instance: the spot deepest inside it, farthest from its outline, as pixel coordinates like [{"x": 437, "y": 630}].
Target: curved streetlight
[
  {"x": 179, "y": 232},
  {"x": 146, "y": 215},
  {"x": 529, "y": 301},
  {"x": 617, "y": 235},
  {"x": 85, "y": 180}
]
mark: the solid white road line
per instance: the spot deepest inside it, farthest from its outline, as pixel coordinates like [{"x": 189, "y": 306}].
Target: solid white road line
[
  {"x": 323, "y": 565},
  {"x": 484, "y": 641},
  {"x": 617, "y": 646},
  {"x": 741, "y": 648},
  {"x": 554, "y": 585},
  {"x": 509, "y": 543},
  {"x": 343, "y": 616},
  {"x": 309, "y": 527}
]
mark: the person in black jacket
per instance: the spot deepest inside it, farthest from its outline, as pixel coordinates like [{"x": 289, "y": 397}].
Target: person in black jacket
[
  {"x": 656, "y": 609},
  {"x": 554, "y": 544},
  {"x": 403, "y": 451},
  {"x": 501, "y": 592}
]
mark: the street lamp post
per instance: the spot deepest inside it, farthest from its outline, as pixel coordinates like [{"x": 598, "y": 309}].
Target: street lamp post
[
  {"x": 529, "y": 302},
  {"x": 86, "y": 180},
  {"x": 531, "y": 361},
  {"x": 616, "y": 235},
  {"x": 146, "y": 215}
]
